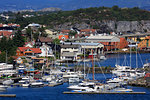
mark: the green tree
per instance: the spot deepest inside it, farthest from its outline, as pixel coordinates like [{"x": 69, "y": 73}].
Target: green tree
[
  {"x": 56, "y": 41},
  {"x": 18, "y": 39},
  {"x": 72, "y": 33},
  {"x": 3, "y": 57}
]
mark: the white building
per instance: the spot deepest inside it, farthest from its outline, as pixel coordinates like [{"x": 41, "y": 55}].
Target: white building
[
  {"x": 71, "y": 51},
  {"x": 46, "y": 51}
]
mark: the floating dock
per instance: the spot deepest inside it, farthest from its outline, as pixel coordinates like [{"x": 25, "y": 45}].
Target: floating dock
[
  {"x": 52, "y": 85},
  {"x": 104, "y": 92},
  {"x": 7, "y": 95}
]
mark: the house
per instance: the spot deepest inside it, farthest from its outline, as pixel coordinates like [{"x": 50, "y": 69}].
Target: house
[
  {"x": 89, "y": 48},
  {"x": 43, "y": 40},
  {"x": 122, "y": 44},
  {"x": 65, "y": 31},
  {"x": 46, "y": 51},
  {"x": 69, "y": 52},
  {"x": 88, "y": 31},
  {"x": 27, "y": 51},
  {"x": 29, "y": 44},
  {"x": 63, "y": 37},
  {"x": 7, "y": 34},
  {"x": 109, "y": 42},
  {"x": 145, "y": 43}
]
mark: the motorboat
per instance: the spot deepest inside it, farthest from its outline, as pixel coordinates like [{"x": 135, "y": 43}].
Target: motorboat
[
  {"x": 102, "y": 58},
  {"x": 36, "y": 84},
  {"x": 87, "y": 87},
  {"x": 73, "y": 74},
  {"x": 26, "y": 79},
  {"x": 74, "y": 79},
  {"x": 123, "y": 90},
  {"x": 26, "y": 84},
  {"x": 8, "y": 82},
  {"x": 7, "y": 69}
]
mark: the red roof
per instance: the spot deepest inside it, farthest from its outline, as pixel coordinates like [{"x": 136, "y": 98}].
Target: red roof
[
  {"x": 65, "y": 31},
  {"x": 22, "y": 49},
  {"x": 88, "y": 30},
  {"x": 5, "y": 33},
  {"x": 81, "y": 35},
  {"x": 45, "y": 39},
  {"x": 10, "y": 24},
  {"x": 34, "y": 50}
]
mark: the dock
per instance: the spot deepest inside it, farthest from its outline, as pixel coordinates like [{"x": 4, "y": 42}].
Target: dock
[
  {"x": 104, "y": 92},
  {"x": 53, "y": 85},
  {"x": 7, "y": 95}
]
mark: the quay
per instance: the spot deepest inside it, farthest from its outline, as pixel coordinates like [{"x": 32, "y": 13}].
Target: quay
[
  {"x": 7, "y": 95},
  {"x": 104, "y": 92}
]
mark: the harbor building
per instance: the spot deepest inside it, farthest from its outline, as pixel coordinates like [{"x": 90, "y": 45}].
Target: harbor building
[
  {"x": 109, "y": 42},
  {"x": 74, "y": 51}
]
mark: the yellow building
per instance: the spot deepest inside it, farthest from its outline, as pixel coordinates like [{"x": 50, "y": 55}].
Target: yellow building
[{"x": 144, "y": 43}]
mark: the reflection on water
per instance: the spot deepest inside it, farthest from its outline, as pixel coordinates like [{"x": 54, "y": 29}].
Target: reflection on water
[{"x": 121, "y": 59}]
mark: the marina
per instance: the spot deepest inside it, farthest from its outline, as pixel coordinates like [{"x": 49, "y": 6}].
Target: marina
[{"x": 58, "y": 84}]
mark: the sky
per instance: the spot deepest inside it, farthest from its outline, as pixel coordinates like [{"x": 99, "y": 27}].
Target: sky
[{"x": 69, "y": 4}]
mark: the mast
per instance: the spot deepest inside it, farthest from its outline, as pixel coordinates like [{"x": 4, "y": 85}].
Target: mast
[
  {"x": 130, "y": 55},
  {"x": 136, "y": 57},
  {"x": 84, "y": 63},
  {"x": 92, "y": 65}
]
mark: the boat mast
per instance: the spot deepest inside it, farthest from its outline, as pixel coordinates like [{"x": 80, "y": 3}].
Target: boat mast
[
  {"x": 92, "y": 65},
  {"x": 84, "y": 63},
  {"x": 130, "y": 55},
  {"x": 136, "y": 58}
]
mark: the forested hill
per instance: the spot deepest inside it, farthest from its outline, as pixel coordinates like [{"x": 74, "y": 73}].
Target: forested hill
[{"x": 88, "y": 15}]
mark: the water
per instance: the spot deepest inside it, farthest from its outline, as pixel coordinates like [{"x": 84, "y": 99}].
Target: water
[
  {"x": 112, "y": 59},
  {"x": 56, "y": 93}
]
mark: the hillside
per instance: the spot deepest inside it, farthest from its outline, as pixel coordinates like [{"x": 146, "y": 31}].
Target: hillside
[{"x": 97, "y": 17}]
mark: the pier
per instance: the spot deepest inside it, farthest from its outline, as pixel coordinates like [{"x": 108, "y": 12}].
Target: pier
[
  {"x": 104, "y": 92},
  {"x": 53, "y": 85},
  {"x": 7, "y": 95}
]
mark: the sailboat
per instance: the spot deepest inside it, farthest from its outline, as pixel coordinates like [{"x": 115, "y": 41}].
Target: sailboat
[
  {"x": 127, "y": 71},
  {"x": 88, "y": 85}
]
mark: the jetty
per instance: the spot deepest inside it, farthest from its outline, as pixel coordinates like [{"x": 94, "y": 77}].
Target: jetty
[
  {"x": 7, "y": 95},
  {"x": 67, "y": 92}
]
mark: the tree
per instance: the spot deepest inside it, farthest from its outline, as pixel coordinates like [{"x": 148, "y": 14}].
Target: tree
[
  {"x": 72, "y": 33},
  {"x": 18, "y": 39},
  {"x": 56, "y": 41},
  {"x": 28, "y": 33},
  {"x": 3, "y": 57}
]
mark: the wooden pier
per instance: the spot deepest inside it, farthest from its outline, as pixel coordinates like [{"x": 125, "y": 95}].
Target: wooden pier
[
  {"x": 7, "y": 95},
  {"x": 104, "y": 92}
]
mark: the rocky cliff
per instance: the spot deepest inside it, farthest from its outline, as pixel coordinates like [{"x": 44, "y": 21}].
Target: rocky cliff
[{"x": 108, "y": 26}]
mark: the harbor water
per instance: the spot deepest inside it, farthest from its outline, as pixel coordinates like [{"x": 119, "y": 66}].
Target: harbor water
[
  {"x": 56, "y": 93},
  {"x": 121, "y": 59}
]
